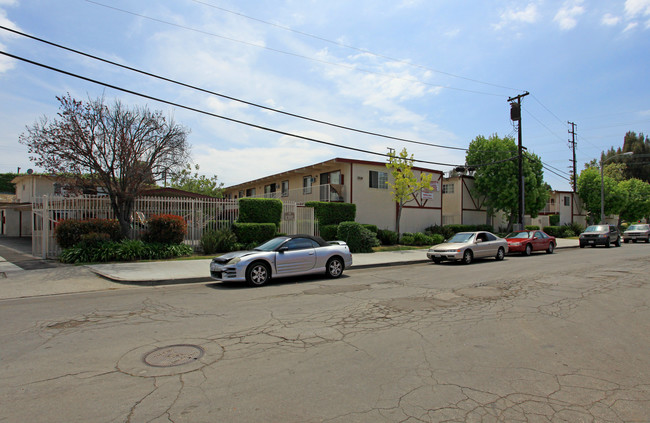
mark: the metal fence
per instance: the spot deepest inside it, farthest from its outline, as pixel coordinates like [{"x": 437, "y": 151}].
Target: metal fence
[{"x": 200, "y": 215}]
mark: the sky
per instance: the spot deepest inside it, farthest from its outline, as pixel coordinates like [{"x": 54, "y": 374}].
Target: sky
[{"x": 435, "y": 72}]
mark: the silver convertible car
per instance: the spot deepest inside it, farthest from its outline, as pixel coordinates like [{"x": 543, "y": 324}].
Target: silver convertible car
[
  {"x": 283, "y": 256},
  {"x": 467, "y": 246}
]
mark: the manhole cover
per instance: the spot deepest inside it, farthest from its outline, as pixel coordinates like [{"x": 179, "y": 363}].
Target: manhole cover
[{"x": 173, "y": 355}]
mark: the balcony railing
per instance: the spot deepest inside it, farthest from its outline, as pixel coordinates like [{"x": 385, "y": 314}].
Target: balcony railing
[{"x": 327, "y": 192}]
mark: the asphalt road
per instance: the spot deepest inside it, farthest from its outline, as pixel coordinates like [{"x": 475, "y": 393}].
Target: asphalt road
[{"x": 548, "y": 338}]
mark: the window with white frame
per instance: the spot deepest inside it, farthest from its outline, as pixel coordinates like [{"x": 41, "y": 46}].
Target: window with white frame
[
  {"x": 567, "y": 200},
  {"x": 447, "y": 188},
  {"x": 378, "y": 180}
]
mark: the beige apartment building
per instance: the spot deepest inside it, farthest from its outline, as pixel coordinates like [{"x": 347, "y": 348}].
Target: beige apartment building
[{"x": 364, "y": 183}]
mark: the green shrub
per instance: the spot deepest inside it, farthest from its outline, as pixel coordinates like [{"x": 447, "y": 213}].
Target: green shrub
[
  {"x": 328, "y": 232},
  {"x": 532, "y": 227},
  {"x": 217, "y": 224},
  {"x": 445, "y": 231},
  {"x": 260, "y": 210},
  {"x": 576, "y": 228},
  {"x": 358, "y": 238},
  {"x": 218, "y": 241},
  {"x": 371, "y": 228},
  {"x": 254, "y": 233},
  {"x": 553, "y": 230},
  {"x": 387, "y": 237},
  {"x": 469, "y": 228},
  {"x": 93, "y": 239},
  {"x": 165, "y": 229},
  {"x": 125, "y": 250},
  {"x": 333, "y": 213},
  {"x": 554, "y": 219},
  {"x": 419, "y": 239},
  {"x": 68, "y": 232}
]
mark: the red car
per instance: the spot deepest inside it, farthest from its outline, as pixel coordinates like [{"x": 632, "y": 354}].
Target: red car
[{"x": 526, "y": 242}]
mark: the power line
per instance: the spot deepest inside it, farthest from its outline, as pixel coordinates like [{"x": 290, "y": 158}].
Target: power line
[
  {"x": 226, "y": 96},
  {"x": 349, "y": 67},
  {"x": 253, "y": 125},
  {"x": 339, "y": 44}
]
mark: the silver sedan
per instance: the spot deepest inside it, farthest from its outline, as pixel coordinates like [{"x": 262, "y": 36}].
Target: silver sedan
[
  {"x": 283, "y": 256},
  {"x": 467, "y": 246}
]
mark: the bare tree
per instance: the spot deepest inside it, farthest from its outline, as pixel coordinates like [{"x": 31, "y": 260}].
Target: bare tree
[{"x": 118, "y": 148}]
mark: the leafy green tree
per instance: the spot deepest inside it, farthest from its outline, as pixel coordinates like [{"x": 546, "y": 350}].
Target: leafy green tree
[
  {"x": 406, "y": 184},
  {"x": 589, "y": 191},
  {"x": 5, "y": 183},
  {"x": 497, "y": 173},
  {"x": 193, "y": 182},
  {"x": 637, "y": 203},
  {"x": 635, "y": 165}
]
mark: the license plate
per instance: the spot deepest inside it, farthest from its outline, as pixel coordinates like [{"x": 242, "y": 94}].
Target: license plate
[
  {"x": 438, "y": 256},
  {"x": 591, "y": 242}
]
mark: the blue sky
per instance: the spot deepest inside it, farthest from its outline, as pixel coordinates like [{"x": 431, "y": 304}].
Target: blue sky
[{"x": 439, "y": 72}]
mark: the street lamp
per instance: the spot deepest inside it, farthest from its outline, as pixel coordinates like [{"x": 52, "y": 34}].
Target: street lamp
[{"x": 602, "y": 183}]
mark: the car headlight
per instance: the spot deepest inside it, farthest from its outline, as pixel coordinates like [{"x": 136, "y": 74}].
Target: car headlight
[
  {"x": 234, "y": 260},
  {"x": 516, "y": 244},
  {"x": 603, "y": 235}
]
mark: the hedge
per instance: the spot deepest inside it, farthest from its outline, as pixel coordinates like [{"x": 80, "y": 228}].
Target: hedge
[
  {"x": 218, "y": 241},
  {"x": 165, "y": 229},
  {"x": 70, "y": 231},
  {"x": 358, "y": 238},
  {"x": 328, "y": 232},
  {"x": 125, "y": 250},
  {"x": 254, "y": 233},
  {"x": 260, "y": 210},
  {"x": 333, "y": 213},
  {"x": 387, "y": 237}
]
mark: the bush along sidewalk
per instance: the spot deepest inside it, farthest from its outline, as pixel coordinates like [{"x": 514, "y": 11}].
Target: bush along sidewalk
[{"x": 94, "y": 241}]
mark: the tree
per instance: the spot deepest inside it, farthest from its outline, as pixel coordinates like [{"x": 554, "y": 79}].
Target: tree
[
  {"x": 200, "y": 184},
  {"x": 636, "y": 165},
  {"x": 406, "y": 184},
  {"x": 118, "y": 148},
  {"x": 6, "y": 186},
  {"x": 637, "y": 202},
  {"x": 497, "y": 173},
  {"x": 589, "y": 191}
]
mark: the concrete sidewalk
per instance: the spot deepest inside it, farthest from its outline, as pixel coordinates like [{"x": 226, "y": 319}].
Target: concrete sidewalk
[{"x": 19, "y": 283}]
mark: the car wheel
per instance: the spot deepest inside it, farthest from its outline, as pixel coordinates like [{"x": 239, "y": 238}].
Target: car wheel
[
  {"x": 257, "y": 274},
  {"x": 528, "y": 250},
  {"x": 582, "y": 245},
  {"x": 468, "y": 256},
  {"x": 618, "y": 242},
  {"x": 647, "y": 240},
  {"x": 500, "y": 254},
  {"x": 334, "y": 267},
  {"x": 607, "y": 243},
  {"x": 551, "y": 248}
]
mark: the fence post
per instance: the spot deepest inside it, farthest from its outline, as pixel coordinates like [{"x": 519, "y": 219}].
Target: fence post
[{"x": 46, "y": 226}]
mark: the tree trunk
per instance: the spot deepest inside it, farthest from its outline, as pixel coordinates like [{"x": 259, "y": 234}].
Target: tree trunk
[
  {"x": 122, "y": 207},
  {"x": 399, "y": 217}
]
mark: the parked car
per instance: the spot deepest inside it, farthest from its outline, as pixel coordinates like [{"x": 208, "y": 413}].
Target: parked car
[
  {"x": 636, "y": 232},
  {"x": 283, "y": 256},
  {"x": 600, "y": 235},
  {"x": 467, "y": 246},
  {"x": 526, "y": 242}
]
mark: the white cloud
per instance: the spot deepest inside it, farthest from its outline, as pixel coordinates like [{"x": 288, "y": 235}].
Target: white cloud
[
  {"x": 610, "y": 20},
  {"x": 529, "y": 14},
  {"x": 637, "y": 7},
  {"x": 631, "y": 26},
  {"x": 566, "y": 16}
]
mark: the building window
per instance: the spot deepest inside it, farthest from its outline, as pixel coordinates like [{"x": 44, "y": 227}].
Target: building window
[
  {"x": 447, "y": 188},
  {"x": 567, "y": 200},
  {"x": 285, "y": 188},
  {"x": 250, "y": 192},
  {"x": 306, "y": 184},
  {"x": 378, "y": 179},
  {"x": 241, "y": 194},
  {"x": 269, "y": 189}
]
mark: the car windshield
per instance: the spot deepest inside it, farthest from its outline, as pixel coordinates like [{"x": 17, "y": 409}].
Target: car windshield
[
  {"x": 597, "y": 228},
  {"x": 638, "y": 228},
  {"x": 518, "y": 235},
  {"x": 271, "y": 244},
  {"x": 461, "y": 237}
]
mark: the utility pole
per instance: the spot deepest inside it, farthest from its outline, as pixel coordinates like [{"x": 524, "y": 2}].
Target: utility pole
[
  {"x": 572, "y": 144},
  {"x": 515, "y": 116}
]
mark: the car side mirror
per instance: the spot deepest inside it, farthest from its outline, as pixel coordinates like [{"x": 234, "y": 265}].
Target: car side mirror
[
  {"x": 283, "y": 249},
  {"x": 478, "y": 240}
]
